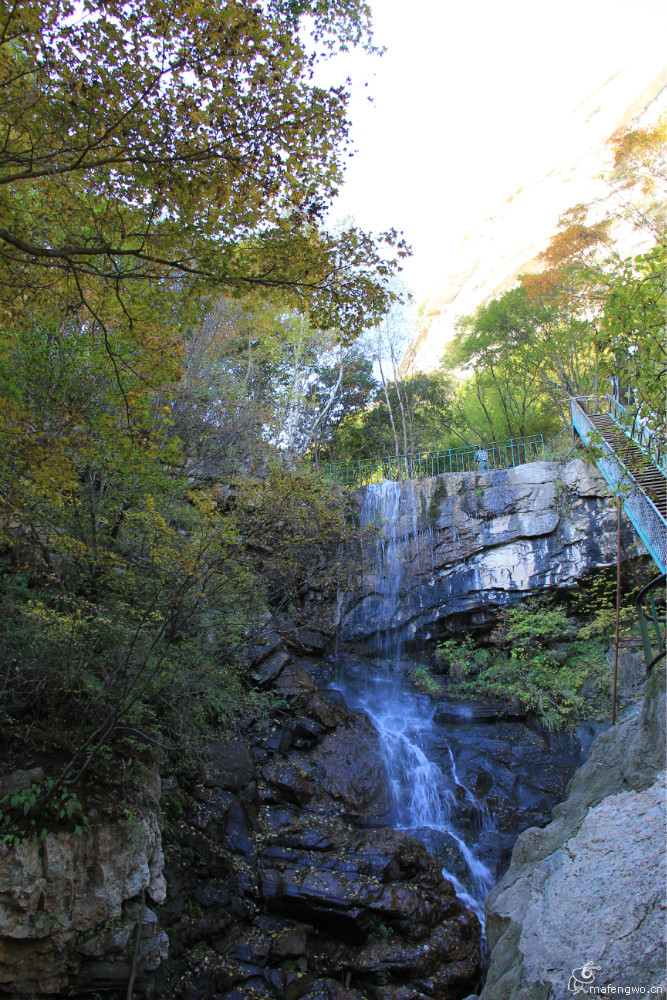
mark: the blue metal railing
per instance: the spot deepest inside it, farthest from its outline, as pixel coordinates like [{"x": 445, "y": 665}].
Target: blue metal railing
[
  {"x": 647, "y": 520},
  {"x": 490, "y": 455},
  {"x": 633, "y": 427}
]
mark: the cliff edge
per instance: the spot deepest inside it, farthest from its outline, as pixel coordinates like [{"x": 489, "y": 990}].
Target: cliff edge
[{"x": 582, "y": 906}]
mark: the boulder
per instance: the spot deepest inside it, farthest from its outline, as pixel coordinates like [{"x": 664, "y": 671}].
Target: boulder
[
  {"x": 589, "y": 887},
  {"x": 267, "y": 670},
  {"x": 353, "y": 768}
]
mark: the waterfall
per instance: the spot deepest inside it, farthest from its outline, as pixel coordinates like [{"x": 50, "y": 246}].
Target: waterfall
[
  {"x": 391, "y": 509},
  {"x": 426, "y": 791}
]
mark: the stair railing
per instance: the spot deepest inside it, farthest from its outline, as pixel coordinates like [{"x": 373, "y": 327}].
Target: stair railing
[
  {"x": 649, "y": 618},
  {"x": 647, "y": 520},
  {"x": 631, "y": 424}
]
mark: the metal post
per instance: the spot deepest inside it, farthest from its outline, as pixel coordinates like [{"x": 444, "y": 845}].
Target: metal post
[{"x": 618, "y": 610}]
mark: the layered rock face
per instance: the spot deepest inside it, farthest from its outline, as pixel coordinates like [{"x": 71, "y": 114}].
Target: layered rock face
[
  {"x": 285, "y": 885},
  {"x": 470, "y": 543},
  {"x": 70, "y": 909},
  {"x": 589, "y": 888}
]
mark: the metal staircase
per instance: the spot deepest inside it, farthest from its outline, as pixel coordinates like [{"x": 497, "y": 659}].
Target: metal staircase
[
  {"x": 628, "y": 467},
  {"x": 633, "y": 468}
]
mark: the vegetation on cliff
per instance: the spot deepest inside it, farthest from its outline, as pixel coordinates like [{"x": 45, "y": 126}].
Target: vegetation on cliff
[
  {"x": 549, "y": 657},
  {"x": 167, "y": 290},
  {"x": 588, "y": 316}
]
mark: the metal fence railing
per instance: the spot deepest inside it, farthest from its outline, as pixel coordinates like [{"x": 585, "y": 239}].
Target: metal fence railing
[
  {"x": 647, "y": 520},
  {"x": 490, "y": 455}
]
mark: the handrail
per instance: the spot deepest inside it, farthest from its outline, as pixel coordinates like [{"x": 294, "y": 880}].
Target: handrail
[
  {"x": 556, "y": 440},
  {"x": 645, "y": 595},
  {"x": 495, "y": 455},
  {"x": 646, "y": 440},
  {"x": 649, "y": 523}
]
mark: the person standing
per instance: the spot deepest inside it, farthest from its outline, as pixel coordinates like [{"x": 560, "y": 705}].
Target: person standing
[{"x": 482, "y": 459}]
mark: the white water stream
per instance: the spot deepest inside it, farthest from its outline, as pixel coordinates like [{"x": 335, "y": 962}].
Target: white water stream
[{"x": 425, "y": 793}]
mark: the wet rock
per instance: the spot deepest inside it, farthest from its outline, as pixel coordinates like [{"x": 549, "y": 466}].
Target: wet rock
[
  {"x": 237, "y": 834},
  {"x": 291, "y": 942},
  {"x": 294, "y": 682},
  {"x": 353, "y": 768},
  {"x": 328, "y": 989},
  {"x": 291, "y": 780},
  {"x": 475, "y": 711},
  {"x": 320, "y": 906},
  {"x": 368, "y": 886},
  {"x": 306, "y": 732},
  {"x": 306, "y": 641},
  {"x": 232, "y": 764},
  {"x": 448, "y": 950}
]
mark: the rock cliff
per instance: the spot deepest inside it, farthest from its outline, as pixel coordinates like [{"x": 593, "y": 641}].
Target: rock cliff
[
  {"x": 283, "y": 882},
  {"x": 70, "y": 907},
  {"x": 474, "y": 542},
  {"x": 490, "y": 259},
  {"x": 590, "y": 886}
]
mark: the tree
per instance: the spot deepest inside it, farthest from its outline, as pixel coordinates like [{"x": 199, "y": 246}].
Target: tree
[
  {"x": 174, "y": 144},
  {"x": 639, "y": 175},
  {"x": 499, "y": 350},
  {"x": 632, "y": 334},
  {"x": 388, "y": 343}
]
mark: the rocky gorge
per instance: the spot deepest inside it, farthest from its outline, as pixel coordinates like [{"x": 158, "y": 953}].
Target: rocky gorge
[{"x": 283, "y": 874}]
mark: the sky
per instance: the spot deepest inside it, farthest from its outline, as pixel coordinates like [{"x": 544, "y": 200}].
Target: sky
[{"x": 473, "y": 99}]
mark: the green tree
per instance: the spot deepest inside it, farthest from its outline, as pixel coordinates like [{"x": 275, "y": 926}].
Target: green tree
[
  {"x": 175, "y": 141},
  {"x": 497, "y": 354}
]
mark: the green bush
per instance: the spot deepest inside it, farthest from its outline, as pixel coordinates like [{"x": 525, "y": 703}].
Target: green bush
[{"x": 540, "y": 658}]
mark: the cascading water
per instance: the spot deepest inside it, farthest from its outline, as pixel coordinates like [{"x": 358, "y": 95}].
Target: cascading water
[{"x": 427, "y": 793}]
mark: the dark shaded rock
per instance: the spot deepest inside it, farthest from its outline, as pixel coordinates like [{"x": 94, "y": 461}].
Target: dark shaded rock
[
  {"x": 270, "y": 642},
  {"x": 274, "y": 819},
  {"x": 306, "y": 640},
  {"x": 232, "y": 765},
  {"x": 291, "y": 780},
  {"x": 449, "y": 946},
  {"x": 17, "y": 780},
  {"x": 325, "y": 708},
  {"x": 212, "y": 893},
  {"x": 294, "y": 681},
  {"x": 265, "y": 673},
  {"x": 329, "y": 989},
  {"x": 306, "y": 732},
  {"x": 353, "y": 768},
  {"x": 237, "y": 835},
  {"x": 289, "y": 943},
  {"x": 475, "y": 711},
  {"x": 351, "y": 895}
]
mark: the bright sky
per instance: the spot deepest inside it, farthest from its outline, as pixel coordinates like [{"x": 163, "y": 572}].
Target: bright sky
[{"x": 472, "y": 99}]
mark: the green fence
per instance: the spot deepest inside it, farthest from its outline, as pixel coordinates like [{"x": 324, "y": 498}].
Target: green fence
[{"x": 490, "y": 455}]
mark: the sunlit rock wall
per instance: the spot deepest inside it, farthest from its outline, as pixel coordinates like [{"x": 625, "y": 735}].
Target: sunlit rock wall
[{"x": 471, "y": 543}]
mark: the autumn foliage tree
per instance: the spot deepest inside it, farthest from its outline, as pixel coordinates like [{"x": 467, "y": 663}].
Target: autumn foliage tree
[{"x": 157, "y": 159}]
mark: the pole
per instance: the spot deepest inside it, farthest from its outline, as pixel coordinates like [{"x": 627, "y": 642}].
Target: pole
[{"x": 618, "y": 610}]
